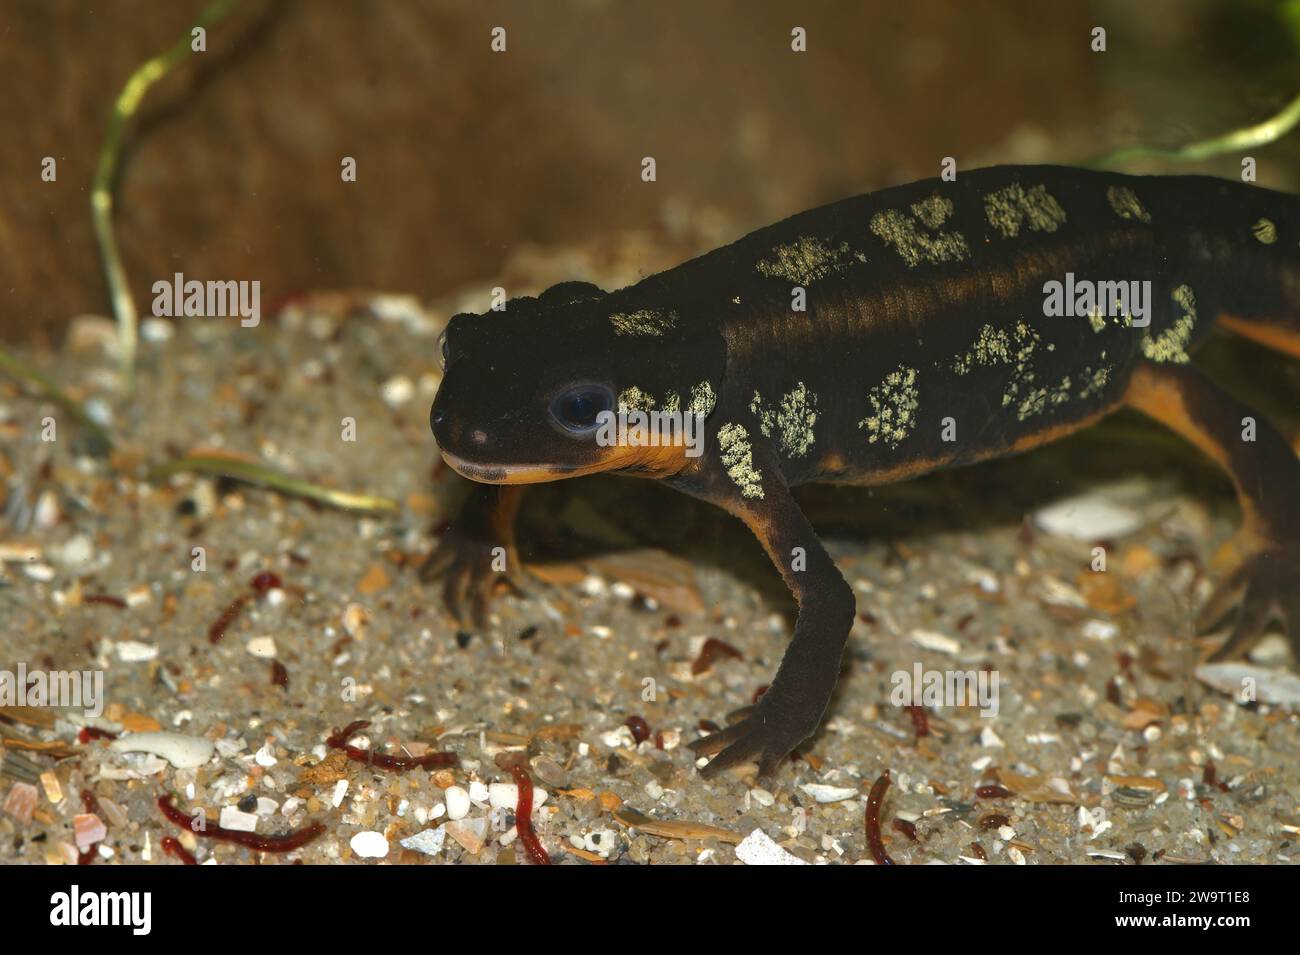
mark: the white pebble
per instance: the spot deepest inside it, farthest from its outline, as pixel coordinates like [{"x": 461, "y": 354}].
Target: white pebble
[
  {"x": 397, "y": 391},
  {"x": 1099, "y": 629},
  {"x": 457, "y": 802},
  {"x": 261, "y": 647},
  {"x": 823, "y": 793},
  {"x": 757, "y": 848},
  {"x": 340, "y": 790},
  {"x": 369, "y": 844},
  {"x": 503, "y": 795},
  {"x": 156, "y": 330},
  {"x": 77, "y": 551},
  {"x": 132, "y": 651},
  {"x": 183, "y": 752},
  {"x": 236, "y": 819},
  {"x": 601, "y": 841},
  {"x": 938, "y": 642},
  {"x": 429, "y": 841}
]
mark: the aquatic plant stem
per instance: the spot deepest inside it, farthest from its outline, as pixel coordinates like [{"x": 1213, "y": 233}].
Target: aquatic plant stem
[
  {"x": 1248, "y": 137},
  {"x": 253, "y": 473},
  {"x": 101, "y": 193}
]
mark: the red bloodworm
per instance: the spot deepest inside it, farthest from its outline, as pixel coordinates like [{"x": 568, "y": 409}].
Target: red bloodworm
[
  {"x": 712, "y": 649},
  {"x": 906, "y": 828},
  {"x": 220, "y": 625},
  {"x": 920, "y": 722},
  {"x": 105, "y": 599},
  {"x": 992, "y": 792},
  {"x": 639, "y": 727},
  {"x": 261, "y": 583},
  {"x": 533, "y": 847},
  {"x": 173, "y": 847},
  {"x": 92, "y": 732},
  {"x": 1210, "y": 777},
  {"x": 265, "y": 581},
  {"x": 1113, "y": 694},
  {"x": 339, "y": 740},
  {"x": 874, "y": 801},
  {"x": 251, "y": 840},
  {"x": 91, "y": 802}
]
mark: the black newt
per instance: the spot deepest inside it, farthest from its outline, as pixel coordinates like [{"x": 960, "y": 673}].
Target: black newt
[{"x": 929, "y": 337}]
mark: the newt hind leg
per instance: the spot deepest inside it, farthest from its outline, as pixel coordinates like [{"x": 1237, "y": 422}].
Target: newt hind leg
[{"x": 1265, "y": 585}]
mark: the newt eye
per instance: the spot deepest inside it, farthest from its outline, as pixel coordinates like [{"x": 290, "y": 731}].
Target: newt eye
[
  {"x": 442, "y": 349},
  {"x": 576, "y": 409}
]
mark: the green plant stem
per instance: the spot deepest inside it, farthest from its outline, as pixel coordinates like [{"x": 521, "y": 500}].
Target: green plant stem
[
  {"x": 268, "y": 477},
  {"x": 101, "y": 442},
  {"x": 1248, "y": 137},
  {"x": 101, "y": 194}
]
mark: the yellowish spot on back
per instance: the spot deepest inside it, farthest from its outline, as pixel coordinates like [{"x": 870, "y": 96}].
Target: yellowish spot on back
[
  {"x": 893, "y": 408},
  {"x": 645, "y": 322},
  {"x": 1125, "y": 204},
  {"x": 1171, "y": 344},
  {"x": 916, "y": 237},
  {"x": 1265, "y": 231},
  {"x": 1014, "y": 207},
  {"x": 738, "y": 459},
  {"x": 805, "y": 260}
]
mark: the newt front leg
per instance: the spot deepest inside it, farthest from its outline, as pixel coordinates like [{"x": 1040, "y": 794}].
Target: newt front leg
[
  {"x": 477, "y": 552},
  {"x": 792, "y": 708}
]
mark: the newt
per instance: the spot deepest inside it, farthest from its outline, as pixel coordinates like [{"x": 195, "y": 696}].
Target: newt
[{"x": 927, "y": 326}]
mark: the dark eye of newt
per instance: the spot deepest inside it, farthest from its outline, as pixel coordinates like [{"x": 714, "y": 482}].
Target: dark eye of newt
[{"x": 576, "y": 408}]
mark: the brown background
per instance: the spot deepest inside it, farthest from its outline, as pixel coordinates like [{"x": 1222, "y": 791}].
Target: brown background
[{"x": 465, "y": 155}]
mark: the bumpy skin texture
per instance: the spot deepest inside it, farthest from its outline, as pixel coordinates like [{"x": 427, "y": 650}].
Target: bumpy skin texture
[{"x": 922, "y": 342}]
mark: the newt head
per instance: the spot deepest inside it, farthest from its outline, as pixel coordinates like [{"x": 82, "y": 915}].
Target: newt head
[{"x": 537, "y": 392}]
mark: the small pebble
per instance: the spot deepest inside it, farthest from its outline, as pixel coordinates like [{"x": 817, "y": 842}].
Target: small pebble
[
  {"x": 21, "y": 802},
  {"x": 183, "y": 752},
  {"x": 235, "y": 818},
  {"x": 397, "y": 391},
  {"x": 132, "y": 651},
  {"x": 457, "y": 802},
  {"x": 429, "y": 841},
  {"x": 757, "y": 848},
  {"x": 470, "y": 833},
  {"x": 826, "y": 794},
  {"x": 262, "y": 647},
  {"x": 369, "y": 845}
]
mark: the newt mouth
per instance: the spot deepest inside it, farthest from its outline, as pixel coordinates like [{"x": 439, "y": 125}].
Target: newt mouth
[
  {"x": 639, "y": 462},
  {"x": 511, "y": 473}
]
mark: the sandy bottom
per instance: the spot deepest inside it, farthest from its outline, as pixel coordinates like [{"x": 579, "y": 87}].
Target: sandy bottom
[{"x": 1105, "y": 748}]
